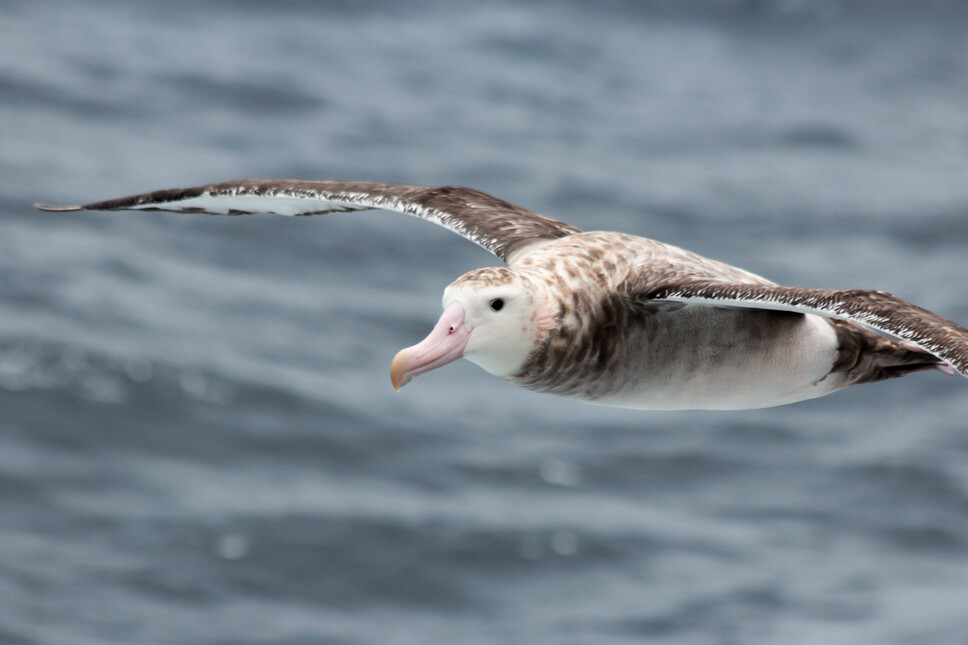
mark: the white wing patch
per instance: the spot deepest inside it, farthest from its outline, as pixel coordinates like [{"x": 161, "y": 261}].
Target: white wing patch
[{"x": 223, "y": 204}]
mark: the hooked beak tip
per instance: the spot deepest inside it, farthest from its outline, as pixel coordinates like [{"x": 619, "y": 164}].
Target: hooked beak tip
[{"x": 398, "y": 369}]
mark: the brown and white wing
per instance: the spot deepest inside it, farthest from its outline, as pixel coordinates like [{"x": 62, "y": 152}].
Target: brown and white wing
[
  {"x": 500, "y": 227},
  {"x": 876, "y": 309}
]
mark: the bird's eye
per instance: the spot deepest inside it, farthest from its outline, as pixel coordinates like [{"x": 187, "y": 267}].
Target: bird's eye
[{"x": 497, "y": 304}]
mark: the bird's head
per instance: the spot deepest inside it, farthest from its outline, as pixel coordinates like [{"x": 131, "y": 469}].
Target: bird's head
[{"x": 491, "y": 317}]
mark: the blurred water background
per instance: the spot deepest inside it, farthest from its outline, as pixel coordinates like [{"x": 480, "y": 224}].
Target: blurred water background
[{"x": 198, "y": 438}]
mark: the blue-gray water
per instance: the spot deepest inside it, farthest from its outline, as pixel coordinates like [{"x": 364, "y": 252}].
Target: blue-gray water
[{"x": 198, "y": 438}]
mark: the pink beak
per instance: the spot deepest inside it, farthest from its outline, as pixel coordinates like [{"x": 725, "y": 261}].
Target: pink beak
[{"x": 445, "y": 344}]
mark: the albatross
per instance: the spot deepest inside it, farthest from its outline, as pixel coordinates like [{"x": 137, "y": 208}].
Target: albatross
[{"x": 611, "y": 318}]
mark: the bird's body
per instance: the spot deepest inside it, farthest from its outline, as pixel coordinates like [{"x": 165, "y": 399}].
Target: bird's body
[
  {"x": 606, "y": 344},
  {"x": 612, "y": 318}
]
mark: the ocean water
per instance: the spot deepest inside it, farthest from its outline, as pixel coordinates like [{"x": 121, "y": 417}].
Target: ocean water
[{"x": 198, "y": 438}]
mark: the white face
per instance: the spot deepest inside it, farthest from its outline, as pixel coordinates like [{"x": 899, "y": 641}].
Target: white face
[{"x": 502, "y": 324}]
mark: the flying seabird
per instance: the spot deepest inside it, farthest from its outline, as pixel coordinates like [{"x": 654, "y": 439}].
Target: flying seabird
[{"x": 611, "y": 318}]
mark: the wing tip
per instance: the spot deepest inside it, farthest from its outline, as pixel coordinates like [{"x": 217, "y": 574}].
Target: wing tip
[{"x": 50, "y": 208}]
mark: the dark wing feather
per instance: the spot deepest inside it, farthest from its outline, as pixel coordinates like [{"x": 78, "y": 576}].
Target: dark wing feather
[
  {"x": 499, "y": 226},
  {"x": 876, "y": 309}
]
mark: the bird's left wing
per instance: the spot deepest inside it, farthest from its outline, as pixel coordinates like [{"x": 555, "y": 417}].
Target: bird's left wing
[
  {"x": 876, "y": 309},
  {"x": 499, "y": 226}
]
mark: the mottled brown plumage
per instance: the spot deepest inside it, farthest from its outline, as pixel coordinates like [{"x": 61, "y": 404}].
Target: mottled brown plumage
[{"x": 602, "y": 310}]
